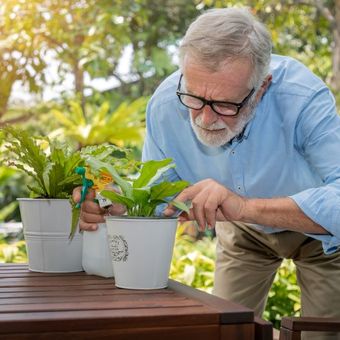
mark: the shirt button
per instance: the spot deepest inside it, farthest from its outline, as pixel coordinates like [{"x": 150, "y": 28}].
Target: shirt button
[
  {"x": 239, "y": 188},
  {"x": 233, "y": 152}
]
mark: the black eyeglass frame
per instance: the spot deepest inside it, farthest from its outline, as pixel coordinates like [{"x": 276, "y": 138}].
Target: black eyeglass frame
[{"x": 212, "y": 102}]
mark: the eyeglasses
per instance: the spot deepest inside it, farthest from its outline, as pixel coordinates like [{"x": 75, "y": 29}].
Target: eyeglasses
[{"x": 220, "y": 107}]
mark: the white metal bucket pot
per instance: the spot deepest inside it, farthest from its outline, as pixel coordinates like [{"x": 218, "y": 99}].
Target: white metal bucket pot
[
  {"x": 96, "y": 254},
  {"x": 141, "y": 250},
  {"x": 47, "y": 225}
]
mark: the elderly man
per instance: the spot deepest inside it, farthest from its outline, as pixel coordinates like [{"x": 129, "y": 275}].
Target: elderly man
[{"x": 258, "y": 136}]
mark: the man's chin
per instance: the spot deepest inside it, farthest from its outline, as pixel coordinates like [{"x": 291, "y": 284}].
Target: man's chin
[{"x": 213, "y": 138}]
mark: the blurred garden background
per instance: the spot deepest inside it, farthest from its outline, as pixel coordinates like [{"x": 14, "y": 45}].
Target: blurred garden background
[{"x": 82, "y": 71}]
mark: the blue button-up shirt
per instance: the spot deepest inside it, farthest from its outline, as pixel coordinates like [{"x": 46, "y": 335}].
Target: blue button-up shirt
[{"x": 290, "y": 148}]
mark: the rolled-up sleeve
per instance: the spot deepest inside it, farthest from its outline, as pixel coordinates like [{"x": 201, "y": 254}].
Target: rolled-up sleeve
[{"x": 318, "y": 140}]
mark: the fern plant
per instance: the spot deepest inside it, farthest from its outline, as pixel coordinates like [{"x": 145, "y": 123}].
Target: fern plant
[{"x": 50, "y": 164}]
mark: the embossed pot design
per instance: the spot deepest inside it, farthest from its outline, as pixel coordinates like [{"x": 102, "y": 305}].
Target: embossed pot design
[
  {"x": 141, "y": 250},
  {"x": 47, "y": 225}
]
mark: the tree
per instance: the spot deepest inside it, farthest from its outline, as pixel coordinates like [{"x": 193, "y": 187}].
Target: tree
[
  {"x": 21, "y": 49},
  {"x": 90, "y": 36},
  {"x": 310, "y": 30}
]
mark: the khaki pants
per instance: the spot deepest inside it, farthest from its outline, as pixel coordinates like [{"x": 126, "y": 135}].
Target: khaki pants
[{"x": 247, "y": 260}]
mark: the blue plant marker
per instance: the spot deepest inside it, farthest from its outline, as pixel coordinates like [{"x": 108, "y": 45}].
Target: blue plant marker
[{"x": 86, "y": 184}]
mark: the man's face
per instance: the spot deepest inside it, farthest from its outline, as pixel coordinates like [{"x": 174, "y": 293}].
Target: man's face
[{"x": 229, "y": 84}]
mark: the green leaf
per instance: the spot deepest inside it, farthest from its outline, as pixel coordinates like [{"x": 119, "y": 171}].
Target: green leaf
[
  {"x": 69, "y": 180},
  {"x": 141, "y": 196},
  {"x": 101, "y": 113},
  {"x": 37, "y": 191},
  {"x": 152, "y": 205},
  {"x": 180, "y": 205},
  {"x": 7, "y": 210},
  {"x": 117, "y": 198},
  {"x": 27, "y": 171},
  {"x": 75, "y": 218},
  {"x": 77, "y": 113},
  {"x": 166, "y": 189},
  {"x": 5, "y": 174},
  {"x": 53, "y": 173},
  {"x": 151, "y": 171},
  {"x": 62, "y": 119},
  {"x": 46, "y": 179}
]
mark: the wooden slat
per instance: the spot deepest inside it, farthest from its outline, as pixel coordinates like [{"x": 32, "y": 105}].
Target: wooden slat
[
  {"x": 164, "y": 333},
  {"x": 80, "y": 292},
  {"x": 23, "y": 273},
  {"x": 99, "y": 298},
  {"x": 311, "y": 324},
  {"x": 286, "y": 334},
  {"x": 45, "y": 305},
  {"x": 53, "y": 281},
  {"x": 263, "y": 329},
  {"x": 239, "y": 332},
  {"x": 229, "y": 312},
  {"x": 106, "y": 319},
  {"x": 53, "y": 288},
  {"x": 291, "y": 327}
]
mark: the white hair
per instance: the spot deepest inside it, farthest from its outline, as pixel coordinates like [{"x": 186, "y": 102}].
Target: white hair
[{"x": 221, "y": 34}]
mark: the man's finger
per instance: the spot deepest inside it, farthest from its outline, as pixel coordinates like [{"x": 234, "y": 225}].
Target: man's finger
[
  {"x": 211, "y": 207},
  {"x": 169, "y": 210},
  {"x": 91, "y": 218},
  {"x": 76, "y": 194},
  {"x": 188, "y": 194},
  {"x": 87, "y": 226},
  {"x": 91, "y": 207},
  {"x": 198, "y": 213}
]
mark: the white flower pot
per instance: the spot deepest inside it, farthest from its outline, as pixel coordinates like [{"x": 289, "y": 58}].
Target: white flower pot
[
  {"x": 96, "y": 255},
  {"x": 141, "y": 250},
  {"x": 47, "y": 225}
]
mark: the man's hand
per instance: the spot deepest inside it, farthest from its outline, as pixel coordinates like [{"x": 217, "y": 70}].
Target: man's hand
[
  {"x": 210, "y": 202},
  {"x": 91, "y": 213}
]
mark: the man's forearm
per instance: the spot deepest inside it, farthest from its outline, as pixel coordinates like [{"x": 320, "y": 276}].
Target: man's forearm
[{"x": 280, "y": 213}]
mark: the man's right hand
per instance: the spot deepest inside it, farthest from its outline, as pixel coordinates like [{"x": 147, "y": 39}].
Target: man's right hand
[{"x": 91, "y": 213}]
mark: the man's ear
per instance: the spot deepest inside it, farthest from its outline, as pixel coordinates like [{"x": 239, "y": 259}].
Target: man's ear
[
  {"x": 265, "y": 85},
  {"x": 267, "y": 81}
]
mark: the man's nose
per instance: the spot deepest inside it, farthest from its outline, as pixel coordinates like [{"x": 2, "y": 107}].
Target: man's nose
[{"x": 209, "y": 116}]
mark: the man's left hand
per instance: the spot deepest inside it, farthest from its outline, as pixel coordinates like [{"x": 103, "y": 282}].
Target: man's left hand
[{"x": 210, "y": 202}]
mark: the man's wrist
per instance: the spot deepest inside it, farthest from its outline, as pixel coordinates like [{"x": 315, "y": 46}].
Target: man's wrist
[{"x": 248, "y": 211}]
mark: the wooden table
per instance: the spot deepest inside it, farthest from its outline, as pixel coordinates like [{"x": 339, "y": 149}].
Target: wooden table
[{"x": 81, "y": 306}]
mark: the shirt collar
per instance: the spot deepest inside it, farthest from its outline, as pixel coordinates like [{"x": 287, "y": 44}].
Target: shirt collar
[{"x": 243, "y": 134}]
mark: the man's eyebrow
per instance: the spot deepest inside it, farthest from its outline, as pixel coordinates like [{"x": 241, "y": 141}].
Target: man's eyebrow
[{"x": 213, "y": 99}]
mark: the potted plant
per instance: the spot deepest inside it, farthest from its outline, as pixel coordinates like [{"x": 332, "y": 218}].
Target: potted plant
[
  {"x": 96, "y": 258},
  {"x": 141, "y": 242},
  {"x": 53, "y": 245}
]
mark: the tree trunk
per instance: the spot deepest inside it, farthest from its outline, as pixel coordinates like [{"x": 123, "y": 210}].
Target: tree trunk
[
  {"x": 336, "y": 51},
  {"x": 4, "y": 97},
  {"x": 78, "y": 71},
  {"x": 7, "y": 81},
  {"x": 79, "y": 83}
]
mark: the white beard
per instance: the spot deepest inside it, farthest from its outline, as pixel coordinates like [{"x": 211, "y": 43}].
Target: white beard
[{"x": 218, "y": 133}]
